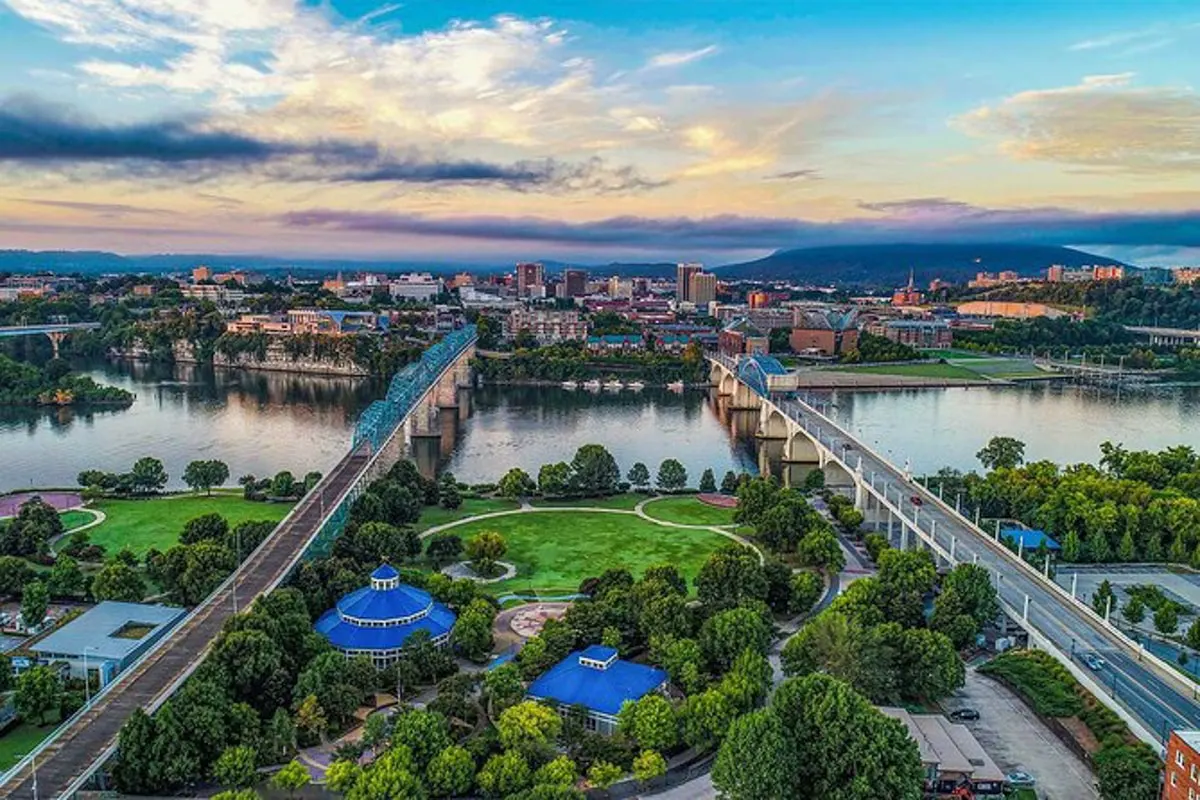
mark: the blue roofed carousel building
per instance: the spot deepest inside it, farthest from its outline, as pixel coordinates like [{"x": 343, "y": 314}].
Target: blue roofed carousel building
[{"x": 375, "y": 621}]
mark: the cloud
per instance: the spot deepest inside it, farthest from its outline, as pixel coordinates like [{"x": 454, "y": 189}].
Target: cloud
[
  {"x": 36, "y": 133},
  {"x": 1104, "y": 123},
  {"x": 795, "y": 175},
  {"x": 946, "y": 221},
  {"x": 678, "y": 58},
  {"x": 102, "y": 209}
]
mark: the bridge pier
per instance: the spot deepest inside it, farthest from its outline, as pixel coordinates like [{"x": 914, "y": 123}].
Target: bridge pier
[{"x": 56, "y": 339}]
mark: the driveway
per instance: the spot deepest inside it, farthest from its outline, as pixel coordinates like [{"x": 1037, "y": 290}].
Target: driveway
[{"x": 1016, "y": 739}]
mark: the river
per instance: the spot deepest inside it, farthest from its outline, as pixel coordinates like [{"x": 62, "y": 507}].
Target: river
[{"x": 261, "y": 422}]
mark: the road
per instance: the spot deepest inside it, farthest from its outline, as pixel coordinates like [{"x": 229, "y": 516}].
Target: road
[
  {"x": 1160, "y": 706},
  {"x": 94, "y": 732}
]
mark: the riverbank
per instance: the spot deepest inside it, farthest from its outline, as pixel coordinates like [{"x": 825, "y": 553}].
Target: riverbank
[{"x": 275, "y": 360}]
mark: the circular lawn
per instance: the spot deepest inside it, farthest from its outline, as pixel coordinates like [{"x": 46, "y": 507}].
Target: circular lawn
[
  {"x": 555, "y": 550},
  {"x": 688, "y": 510}
]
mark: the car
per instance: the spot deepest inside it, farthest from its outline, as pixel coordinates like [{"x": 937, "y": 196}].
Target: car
[
  {"x": 1020, "y": 780},
  {"x": 917, "y": 501},
  {"x": 964, "y": 715},
  {"x": 1093, "y": 661}
]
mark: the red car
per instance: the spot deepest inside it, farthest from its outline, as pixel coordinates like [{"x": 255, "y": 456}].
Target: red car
[{"x": 917, "y": 501}]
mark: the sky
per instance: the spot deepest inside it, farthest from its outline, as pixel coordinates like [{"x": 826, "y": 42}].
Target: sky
[{"x": 713, "y": 130}]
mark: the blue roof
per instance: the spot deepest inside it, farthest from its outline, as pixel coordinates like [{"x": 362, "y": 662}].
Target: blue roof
[
  {"x": 1030, "y": 538},
  {"x": 97, "y": 630},
  {"x": 604, "y": 690},
  {"x": 402, "y": 609}
]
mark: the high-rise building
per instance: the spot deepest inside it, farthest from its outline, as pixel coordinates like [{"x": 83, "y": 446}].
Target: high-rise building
[
  {"x": 683, "y": 281},
  {"x": 618, "y": 288},
  {"x": 758, "y": 299},
  {"x": 574, "y": 282},
  {"x": 529, "y": 274},
  {"x": 702, "y": 289}
]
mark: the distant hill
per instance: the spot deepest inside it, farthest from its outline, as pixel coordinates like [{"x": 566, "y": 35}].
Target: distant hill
[
  {"x": 889, "y": 264},
  {"x": 97, "y": 263}
]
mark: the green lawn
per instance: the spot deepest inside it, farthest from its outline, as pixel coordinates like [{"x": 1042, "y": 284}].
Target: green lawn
[
  {"x": 433, "y": 516},
  {"x": 553, "y": 552},
  {"x": 625, "y": 502},
  {"x": 73, "y": 519},
  {"x": 917, "y": 371},
  {"x": 689, "y": 511},
  {"x": 16, "y": 743},
  {"x": 143, "y": 524}
]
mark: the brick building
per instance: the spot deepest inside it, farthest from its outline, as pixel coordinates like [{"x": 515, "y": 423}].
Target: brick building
[
  {"x": 1182, "y": 778},
  {"x": 825, "y": 332}
]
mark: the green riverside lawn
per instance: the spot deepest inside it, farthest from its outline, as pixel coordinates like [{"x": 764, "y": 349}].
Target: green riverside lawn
[
  {"x": 432, "y": 516},
  {"x": 688, "y": 511},
  {"x": 157, "y": 522},
  {"x": 624, "y": 502},
  {"x": 16, "y": 743},
  {"x": 948, "y": 371},
  {"x": 74, "y": 519},
  {"x": 554, "y": 552}
]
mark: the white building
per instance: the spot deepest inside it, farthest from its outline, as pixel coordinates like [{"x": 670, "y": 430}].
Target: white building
[{"x": 420, "y": 286}]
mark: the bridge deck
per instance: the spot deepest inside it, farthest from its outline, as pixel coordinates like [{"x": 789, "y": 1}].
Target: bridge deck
[{"x": 92, "y": 734}]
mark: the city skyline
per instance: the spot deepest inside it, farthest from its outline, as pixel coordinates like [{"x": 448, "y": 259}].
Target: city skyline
[{"x": 706, "y": 131}]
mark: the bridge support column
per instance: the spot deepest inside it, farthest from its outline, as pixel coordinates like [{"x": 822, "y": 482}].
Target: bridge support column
[{"x": 56, "y": 339}]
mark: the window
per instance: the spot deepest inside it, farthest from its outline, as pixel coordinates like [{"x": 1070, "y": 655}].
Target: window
[
  {"x": 1179, "y": 757},
  {"x": 1174, "y": 779}
]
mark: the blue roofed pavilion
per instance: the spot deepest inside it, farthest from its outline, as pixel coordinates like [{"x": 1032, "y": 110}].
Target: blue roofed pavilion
[{"x": 596, "y": 679}]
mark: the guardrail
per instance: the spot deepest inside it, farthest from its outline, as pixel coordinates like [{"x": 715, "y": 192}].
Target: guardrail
[{"x": 337, "y": 511}]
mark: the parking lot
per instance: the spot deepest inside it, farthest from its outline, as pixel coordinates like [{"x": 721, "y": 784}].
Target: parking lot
[{"x": 1017, "y": 740}]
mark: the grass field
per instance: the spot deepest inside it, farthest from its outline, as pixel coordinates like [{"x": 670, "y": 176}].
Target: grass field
[
  {"x": 948, "y": 371},
  {"x": 433, "y": 516},
  {"x": 625, "y": 502},
  {"x": 143, "y": 524},
  {"x": 23, "y": 737},
  {"x": 73, "y": 519},
  {"x": 554, "y": 552},
  {"x": 688, "y": 511}
]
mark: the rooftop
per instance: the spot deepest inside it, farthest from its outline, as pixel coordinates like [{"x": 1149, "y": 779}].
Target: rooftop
[
  {"x": 597, "y": 679},
  {"x": 110, "y": 630},
  {"x": 1030, "y": 538},
  {"x": 948, "y": 746}
]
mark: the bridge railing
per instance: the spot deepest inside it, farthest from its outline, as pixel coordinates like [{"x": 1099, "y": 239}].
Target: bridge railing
[{"x": 408, "y": 386}]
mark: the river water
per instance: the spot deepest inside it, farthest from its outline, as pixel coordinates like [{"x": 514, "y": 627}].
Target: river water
[{"x": 260, "y": 423}]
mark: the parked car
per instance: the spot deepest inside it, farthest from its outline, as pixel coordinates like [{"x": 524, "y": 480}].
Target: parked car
[
  {"x": 1093, "y": 661},
  {"x": 964, "y": 715},
  {"x": 917, "y": 501},
  {"x": 1020, "y": 780}
]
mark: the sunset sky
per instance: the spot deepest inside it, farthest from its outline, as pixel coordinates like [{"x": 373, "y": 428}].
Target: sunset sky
[{"x": 667, "y": 129}]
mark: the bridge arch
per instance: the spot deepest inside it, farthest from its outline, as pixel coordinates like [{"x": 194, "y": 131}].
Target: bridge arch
[
  {"x": 836, "y": 475},
  {"x": 772, "y": 424},
  {"x": 801, "y": 448}
]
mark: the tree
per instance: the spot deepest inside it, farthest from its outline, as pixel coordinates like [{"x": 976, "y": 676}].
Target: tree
[
  {"x": 118, "y": 581},
  {"x": 594, "y": 471},
  {"x": 843, "y": 748},
  {"x": 504, "y": 775},
  {"x": 1193, "y": 635},
  {"x": 206, "y": 527},
  {"x": 449, "y": 497},
  {"x": 148, "y": 475},
  {"x": 283, "y": 484},
  {"x": 727, "y": 634},
  {"x": 484, "y": 549},
  {"x": 649, "y": 765},
  {"x": 638, "y": 476},
  {"x": 974, "y": 591},
  {"x": 650, "y": 721},
  {"x": 814, "y": 481},
  {"x": 237, "y": 768},
  {"x": 34, "y": 601},
  {"x": 342, "y": 775},
  {"x": 682, "y": 660},
  {"x": 443, "y": 549},
  {"x": 602, "y": 774},
  {"x": 1071, "y": 547},
  {"x": 66, "y": 578},
  {"x": 529, "y": 727},
  {"x": 931, "y": 668},
  {"x": 705, "y": 718},
  {"x": 424, "y": 733},
  {"x": 756, "y": 759},
  {"x": 905, "y": 578},
  {"x": 38, "y": 689},
  {"x": 554, "y": 480},
  {"x": 730, "y": 576},
  {"x": 517, "y": 483},
  {"x": 755, "y": 498},
  {"x": 451, "y": 772},
  {"x": 820, "y": 548},
  {"x": 708, "y": 481},
  {"x": 1102, "y": 598},
  {"x": 1135, "y": 611},
  {"x": 1166, "y": 619},
  {"x": 293, "y": 777},
  {"x": 806, "y": 591},
  {"x": 203, "y": 475},
  {"x": 560, "y": 771},
  {"x": 1002, "y": 452},
  {"x": 310, "y": 717},
  {"x": 671, "y": 476},
  {"x": 729, "y": 483},
  {"x": 1127, "y": 773}
]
